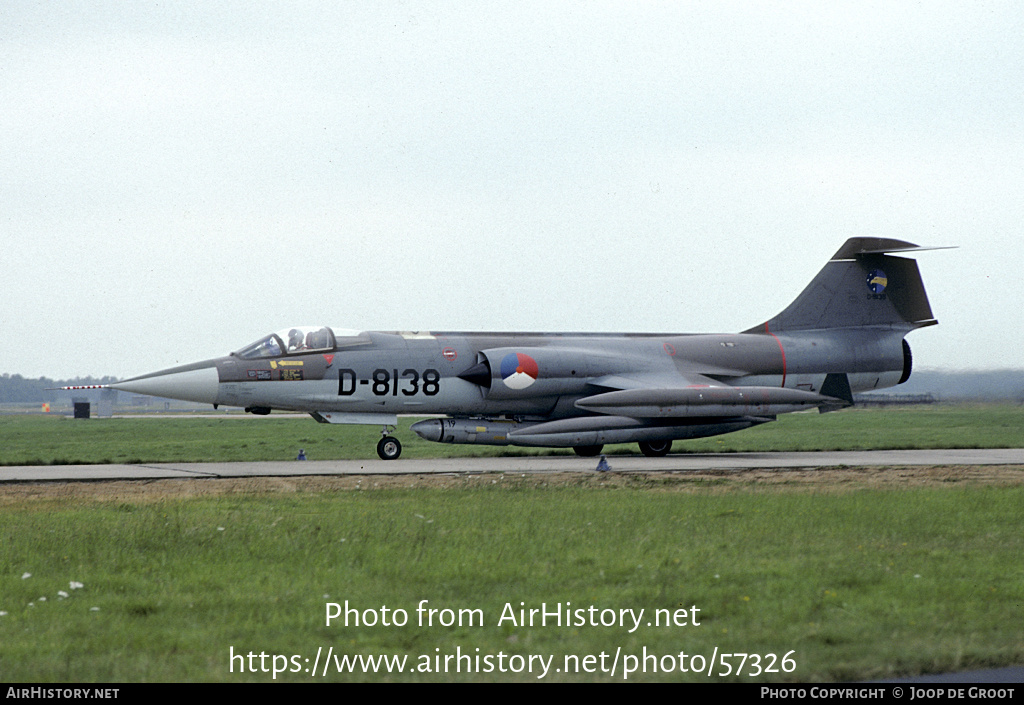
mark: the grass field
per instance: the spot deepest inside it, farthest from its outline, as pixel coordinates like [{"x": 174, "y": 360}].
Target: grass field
[
  {"x": 822, "y": 581},
  {"x": 47, "y": 440}
]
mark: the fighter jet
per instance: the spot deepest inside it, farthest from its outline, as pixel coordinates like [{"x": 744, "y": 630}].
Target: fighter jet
[{"x": 843, "y": 334}]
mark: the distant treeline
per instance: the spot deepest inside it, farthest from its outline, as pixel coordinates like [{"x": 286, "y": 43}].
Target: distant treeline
[
  {"x": 15, "y": 389},
  {"x": 964, "y": 385}
]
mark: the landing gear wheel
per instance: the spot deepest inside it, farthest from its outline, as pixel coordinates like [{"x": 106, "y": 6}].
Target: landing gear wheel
[
  {"x": 655, "y": 449},
  {"x": 588, "y": 451},
  {"x": 388, "y": 448}
]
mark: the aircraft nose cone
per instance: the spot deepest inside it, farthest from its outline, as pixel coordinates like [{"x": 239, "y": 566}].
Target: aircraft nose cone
[
  {"x": 430, "y": 430},
  {"x": 198, "y": 385}
]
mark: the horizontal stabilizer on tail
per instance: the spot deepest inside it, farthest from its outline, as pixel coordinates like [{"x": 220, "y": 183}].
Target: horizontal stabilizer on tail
[{"x": 879, "y": 246}]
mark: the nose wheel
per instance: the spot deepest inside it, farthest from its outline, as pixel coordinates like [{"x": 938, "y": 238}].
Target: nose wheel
[{"x": 388, "y": 448}]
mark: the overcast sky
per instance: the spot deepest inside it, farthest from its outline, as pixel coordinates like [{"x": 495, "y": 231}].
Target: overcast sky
[{"x": 180, "y": 178}]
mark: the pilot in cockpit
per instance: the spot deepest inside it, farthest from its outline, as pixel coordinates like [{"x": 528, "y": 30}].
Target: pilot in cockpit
[{"x": 295, "y": 340}]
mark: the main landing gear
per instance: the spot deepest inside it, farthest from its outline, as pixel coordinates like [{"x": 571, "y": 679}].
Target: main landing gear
[
  {"x": 655, "y": 449},
  {"x": 388, "y": 447},
  {"x": 652, "y": 449}
]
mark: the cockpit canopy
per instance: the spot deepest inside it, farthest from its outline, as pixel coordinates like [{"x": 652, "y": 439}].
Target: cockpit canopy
[{"x": 298, "y": 340}]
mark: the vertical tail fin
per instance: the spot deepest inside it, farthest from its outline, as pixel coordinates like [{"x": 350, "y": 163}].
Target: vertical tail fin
[{"x": 861, "y": 285}]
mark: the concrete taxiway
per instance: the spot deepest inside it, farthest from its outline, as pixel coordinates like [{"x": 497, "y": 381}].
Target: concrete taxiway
[{"x": 532, "y": 464}]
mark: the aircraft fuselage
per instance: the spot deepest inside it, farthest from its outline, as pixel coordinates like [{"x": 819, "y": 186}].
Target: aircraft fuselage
[{"x": 843, "y": 334}]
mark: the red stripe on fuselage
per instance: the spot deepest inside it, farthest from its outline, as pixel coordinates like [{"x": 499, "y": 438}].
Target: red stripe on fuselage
[{"x": 781, "y": 350}]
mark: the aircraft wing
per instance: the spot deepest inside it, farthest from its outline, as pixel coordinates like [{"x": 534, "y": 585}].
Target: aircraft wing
[
  {"x": 655, "y": 380},
  {"x": 688, "y": 395}
]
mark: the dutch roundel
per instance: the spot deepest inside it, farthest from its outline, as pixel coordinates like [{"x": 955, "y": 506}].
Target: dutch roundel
[{"x": 519, "y": 371}]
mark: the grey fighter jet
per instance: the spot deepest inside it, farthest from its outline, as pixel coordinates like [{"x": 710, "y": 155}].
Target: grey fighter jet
[{"x": 843, "y": 334}]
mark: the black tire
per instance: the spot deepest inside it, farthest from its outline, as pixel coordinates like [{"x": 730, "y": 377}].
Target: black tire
[
  {"x": 588, "y": 451},
  {"x": 655, "y": 449},
  {"x": 388, "y": 448}
]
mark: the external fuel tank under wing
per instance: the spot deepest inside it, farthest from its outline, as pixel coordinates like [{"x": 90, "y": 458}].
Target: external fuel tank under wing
[{"x": 843, "y": 334}]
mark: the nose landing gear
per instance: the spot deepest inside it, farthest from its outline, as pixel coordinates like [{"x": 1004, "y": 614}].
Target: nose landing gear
[{"x": 388, "y": 447}]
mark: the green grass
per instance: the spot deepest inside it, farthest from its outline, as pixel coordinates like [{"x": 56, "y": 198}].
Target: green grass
[
  {"x": 39, "y": 440},
  {"x": 858, "y": 585}
]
